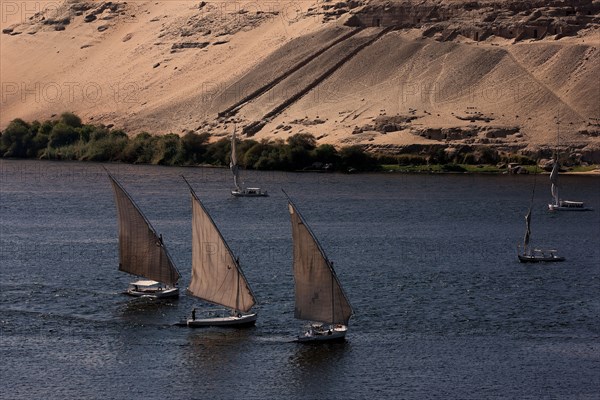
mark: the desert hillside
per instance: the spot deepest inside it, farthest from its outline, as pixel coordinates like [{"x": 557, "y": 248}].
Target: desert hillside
[{"x": 384, "y": 74}]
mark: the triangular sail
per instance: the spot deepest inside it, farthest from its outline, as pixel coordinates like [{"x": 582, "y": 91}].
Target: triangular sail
[
  {"x": 319, "y": 295},
  {"x": 216, "y": 274},
  {"x": 528, "y": 231},
  {"x": 141, "y": 250},
  {"x": 233, "y": 165},
  {"x": 554, "y": 180}
]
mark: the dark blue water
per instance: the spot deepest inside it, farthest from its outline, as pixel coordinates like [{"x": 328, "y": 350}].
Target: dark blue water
[{"x": 443, "y": 308}]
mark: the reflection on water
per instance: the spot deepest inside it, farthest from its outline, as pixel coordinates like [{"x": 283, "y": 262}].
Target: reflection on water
[
  {"x": 145, "y": 311},
  {"x": 443, "y": 308},
  {"x": 214, "y": 358},
  {"x": 315, "y": 368},
  {"x": 309, "y": 358}
]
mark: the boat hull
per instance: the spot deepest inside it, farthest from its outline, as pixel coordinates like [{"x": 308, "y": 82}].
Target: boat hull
[
  {"x": 554, "y": 207},
  {"x": 332, "y": 335},
  {"x": 154, "y": 293},
  {"x": 568, "y": 205},
  {"x": 539, "y": 259},
  {"x": 232, "y": 321},
  {"x": 255, "y": 192}
]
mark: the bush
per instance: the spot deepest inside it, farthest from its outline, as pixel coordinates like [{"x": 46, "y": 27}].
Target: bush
[
  {"x": 304, "y": 141},
  {"x": 355, "y": 158},
  {"x": 70, "y": 119},
  {"x": 62, "y": 135},
  {"x": 327, "y": 154},
  {"x": 140, "y": 150},
  {"x": 16, "y": 139},
  {"x": 218, "y": 152},
  {"x": 168, "y": 150},
  {"x": 99, "y": 133},
  {"x": 105, "y": 150},
  {"x": 193, "y": 147},
  {"x": 453, "y": 168}
]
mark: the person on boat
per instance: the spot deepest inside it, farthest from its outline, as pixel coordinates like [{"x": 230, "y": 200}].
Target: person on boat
[{"x": 193, "y": 314}]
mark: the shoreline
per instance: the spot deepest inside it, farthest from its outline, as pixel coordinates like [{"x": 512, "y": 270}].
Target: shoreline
[{"x": 408, "y": 170}]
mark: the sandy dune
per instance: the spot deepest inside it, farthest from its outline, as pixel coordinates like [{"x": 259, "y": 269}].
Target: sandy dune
[{"x": 286, "y": 67}]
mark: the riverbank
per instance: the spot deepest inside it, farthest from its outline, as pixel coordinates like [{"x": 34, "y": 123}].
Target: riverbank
[
  {"x": 67, "y": 138},
  {"x": 484, "y": 169}
]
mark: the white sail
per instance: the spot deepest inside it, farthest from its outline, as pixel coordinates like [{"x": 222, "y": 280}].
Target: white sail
[
  {"x": 319, "y": 295},
  {"x": 554, "y": 180},
  {"x": 216, "y": 273},
  {"x": 233, "y": 165},
  {"x": 141, "y": 250}
]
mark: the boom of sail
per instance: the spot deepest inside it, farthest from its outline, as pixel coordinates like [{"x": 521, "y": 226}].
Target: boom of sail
[
  {"x": 319, "y": 295},
  {"x": 216, "y": 274},
  {"x": 141, "y": 250}
]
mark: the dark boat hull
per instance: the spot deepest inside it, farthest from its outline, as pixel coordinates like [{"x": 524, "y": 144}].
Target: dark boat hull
[
  {"x": 242, "y": 321},
  {"x": 539, "y": 259}
]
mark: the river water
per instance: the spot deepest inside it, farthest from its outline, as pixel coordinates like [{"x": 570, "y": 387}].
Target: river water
[{"x": 442, "y": 307}]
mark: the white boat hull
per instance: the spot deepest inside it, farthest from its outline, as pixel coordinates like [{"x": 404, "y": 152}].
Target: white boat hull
[
  {"x": 151, "y": 289},
  {"x": 154, "y": 293},
  {"x": 568, "y": 205},
  {"x": 554, "y": 207},
  {"x": 232, "y": 321},
  {"x": 333, "y": 334}
]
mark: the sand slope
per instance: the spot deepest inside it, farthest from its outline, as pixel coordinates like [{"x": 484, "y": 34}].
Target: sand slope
[{"x": 176, "y": 66}]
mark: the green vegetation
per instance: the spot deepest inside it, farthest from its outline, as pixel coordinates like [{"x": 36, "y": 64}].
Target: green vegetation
[
  {"x": 584, "y": 168},
  {"x": 67, "y": 138}
]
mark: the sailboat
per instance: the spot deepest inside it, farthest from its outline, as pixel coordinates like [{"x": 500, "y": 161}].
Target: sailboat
[
  {"x": 562, "y": 205},
  {"x": 319, "y": 296},
  {"x": 240, "y": 191},
  {"x": 557, "y": 204},
  {"x": 216, "y": 273},
  {"x": 142, "y": 251},
  {"x": 529, "y": 255}
]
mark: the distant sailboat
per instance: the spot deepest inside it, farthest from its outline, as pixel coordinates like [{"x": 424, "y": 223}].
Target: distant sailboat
[
  {"x": 562, "y": 205},
  {"x": 319, "y": 294},
  {"x": 216, "y": 273},
  {"x": 557, "y": 204},
  {"x": 240, "y": 191},
  {"x": 142, "y": 251},
  {"x": 529, "y": 255}
]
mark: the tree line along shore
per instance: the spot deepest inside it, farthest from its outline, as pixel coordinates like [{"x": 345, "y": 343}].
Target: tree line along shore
[{"x": 67, "y": 138}]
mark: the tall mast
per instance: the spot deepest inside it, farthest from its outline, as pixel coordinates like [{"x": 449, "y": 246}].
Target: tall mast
[
  {"x": 332, "y": 301},
  {"x": 555, "y": 166}
]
